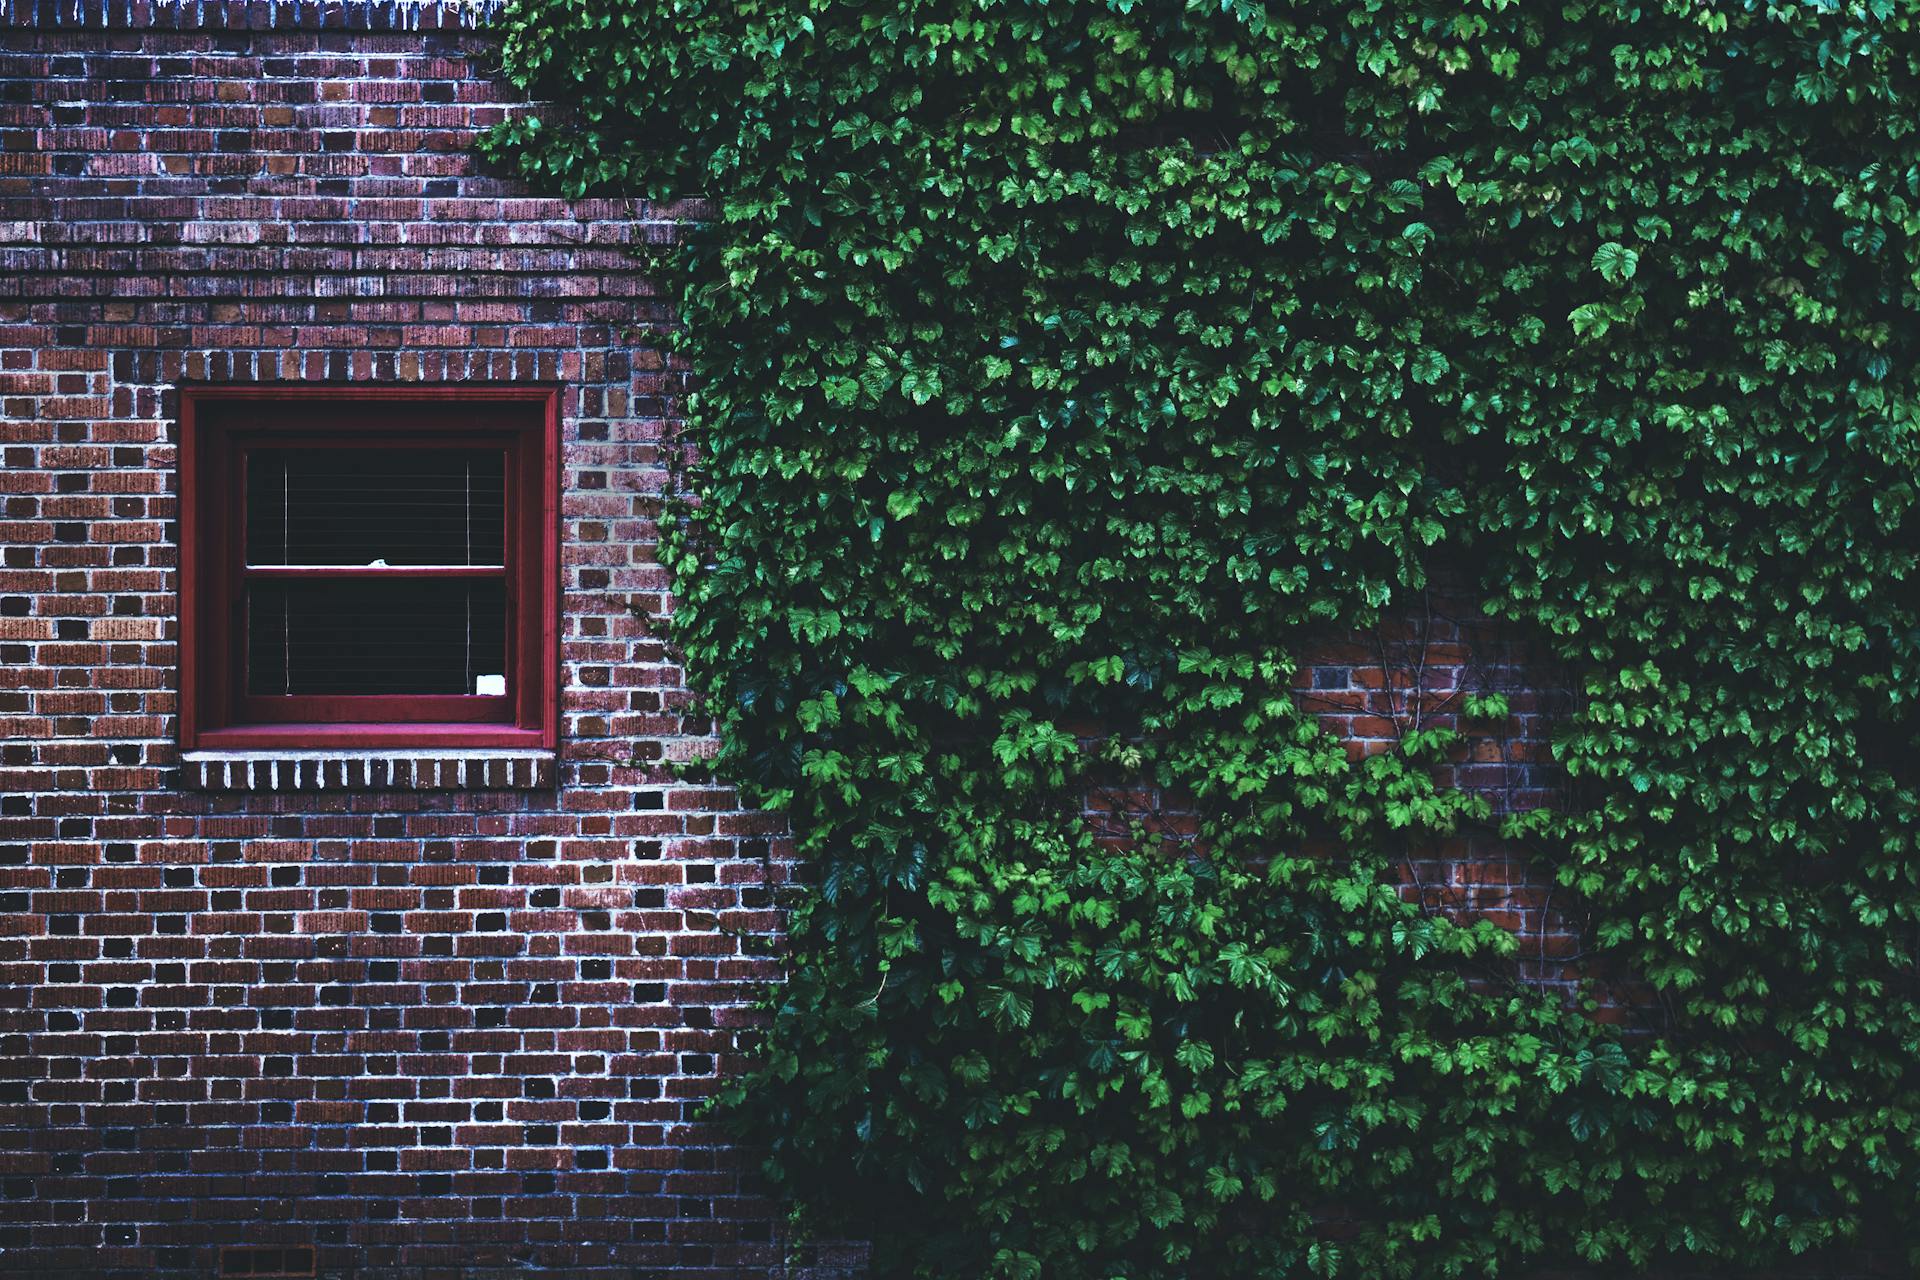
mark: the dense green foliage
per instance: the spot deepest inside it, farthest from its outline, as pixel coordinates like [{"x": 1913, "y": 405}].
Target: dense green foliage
[{"x": 1080, "y": 364}]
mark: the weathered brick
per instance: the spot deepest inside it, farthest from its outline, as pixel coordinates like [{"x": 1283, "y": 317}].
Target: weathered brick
[{"x": 321, "y": 997}]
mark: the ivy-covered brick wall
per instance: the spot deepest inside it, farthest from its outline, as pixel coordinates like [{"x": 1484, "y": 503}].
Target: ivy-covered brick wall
[
  {"x": 420, "y": 1031},
  {"x": 1174, "y": 838},
  {"x": 1067, "y": 378}
]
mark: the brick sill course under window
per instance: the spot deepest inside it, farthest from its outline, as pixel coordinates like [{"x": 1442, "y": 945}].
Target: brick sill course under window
[{"x": 370, "y": 769}]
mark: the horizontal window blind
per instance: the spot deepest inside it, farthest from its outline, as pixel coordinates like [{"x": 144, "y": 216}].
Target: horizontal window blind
[
  {"x": 357, "y": 506},
  {"x": 376, "y": 636}
]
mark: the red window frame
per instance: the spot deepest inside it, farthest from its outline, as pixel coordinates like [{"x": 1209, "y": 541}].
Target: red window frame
[{"x": 217, "y": 427}]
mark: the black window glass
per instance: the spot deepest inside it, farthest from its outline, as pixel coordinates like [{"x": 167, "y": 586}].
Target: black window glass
[
  {"x": 376, "y": 506},
  {"x": 375, "y": 636}
]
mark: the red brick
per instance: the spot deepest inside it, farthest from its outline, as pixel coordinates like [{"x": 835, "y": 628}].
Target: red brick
[{"x": 318, "y": 974}]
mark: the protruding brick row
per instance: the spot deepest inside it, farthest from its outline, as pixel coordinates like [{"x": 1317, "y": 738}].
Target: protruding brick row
[{"x": 349, "y": 771}]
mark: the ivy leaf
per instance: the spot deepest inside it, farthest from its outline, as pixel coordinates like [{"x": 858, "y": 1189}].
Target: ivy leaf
[
  {"x": 1615, "y": 262},
  {"x": 1195, "y": 1055},
  {"x": 1591, "y": 320}
]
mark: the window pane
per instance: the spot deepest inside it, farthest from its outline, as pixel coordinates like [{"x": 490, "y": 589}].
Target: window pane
[
  {"x": 368, "y": 506},
  {"x": 371, "y": 635}
]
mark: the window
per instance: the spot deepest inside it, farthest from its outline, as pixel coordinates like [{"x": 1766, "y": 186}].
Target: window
[{"x": 368, "y": 569}]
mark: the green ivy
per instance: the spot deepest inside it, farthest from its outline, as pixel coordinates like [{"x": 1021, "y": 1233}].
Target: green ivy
[{"x": 1065, "y": 372}]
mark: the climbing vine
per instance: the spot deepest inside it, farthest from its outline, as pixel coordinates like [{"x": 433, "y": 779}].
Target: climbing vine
[{"x": 1064, "y": 373}]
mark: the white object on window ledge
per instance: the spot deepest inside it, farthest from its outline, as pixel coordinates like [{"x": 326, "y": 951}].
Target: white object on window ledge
[{"x": 490, "y": 686}]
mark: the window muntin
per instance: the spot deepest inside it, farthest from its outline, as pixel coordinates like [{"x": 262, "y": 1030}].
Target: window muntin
[{"x": 369, "y": 568}]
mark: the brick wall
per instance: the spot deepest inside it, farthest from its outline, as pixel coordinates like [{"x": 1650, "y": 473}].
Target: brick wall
[
  {"x": 421, "y": 1015},
  {"x": 428, "y": 1021}
]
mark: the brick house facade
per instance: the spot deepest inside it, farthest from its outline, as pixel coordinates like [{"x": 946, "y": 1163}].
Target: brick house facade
[{"x": 392, "y": 1013}]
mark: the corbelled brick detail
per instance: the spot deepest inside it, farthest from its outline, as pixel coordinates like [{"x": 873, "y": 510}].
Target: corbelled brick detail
[
  {"x": 368, "y": 770},
  {"x": 255, "y": 15}
]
